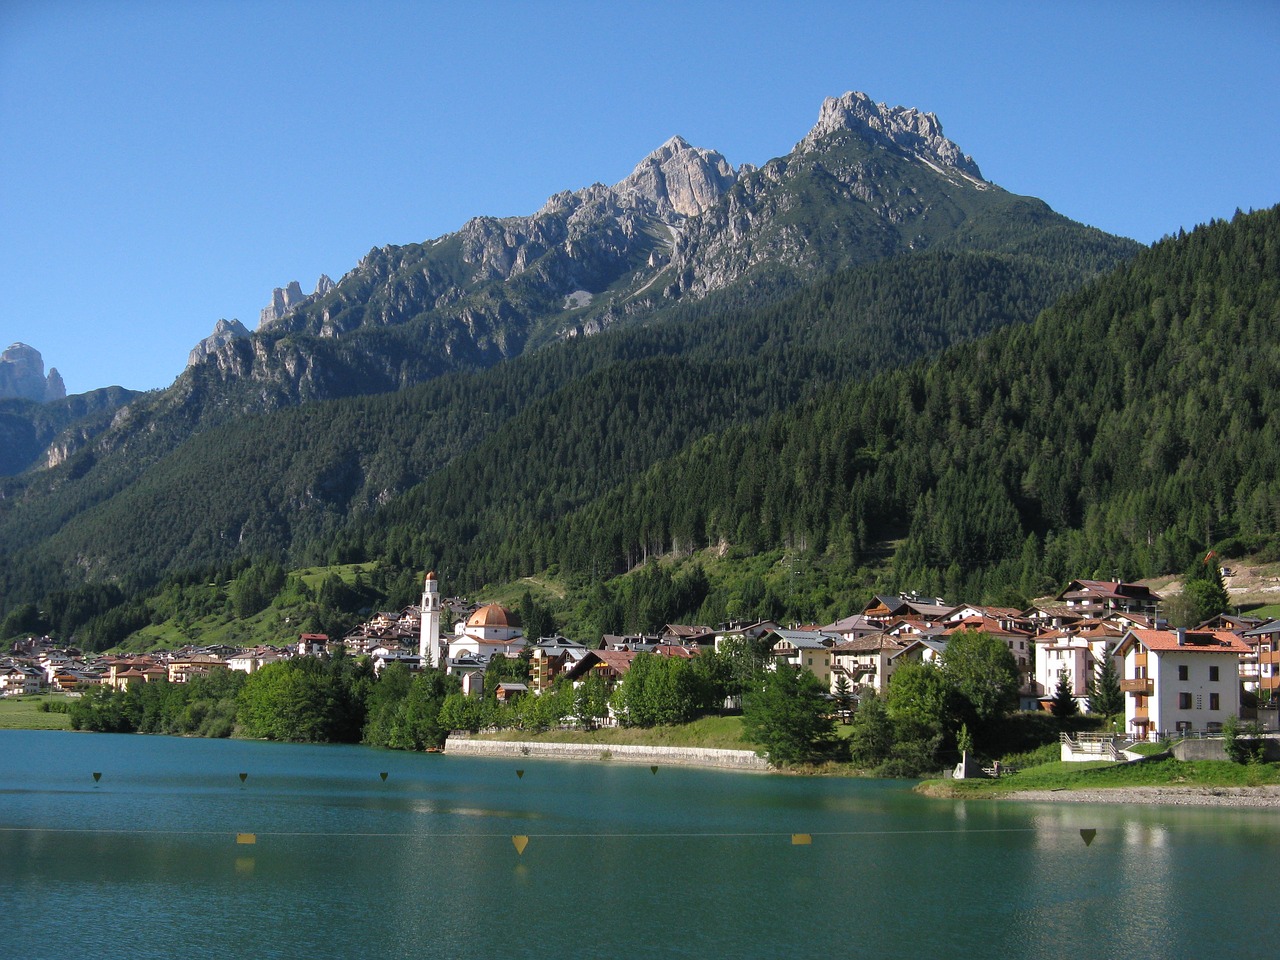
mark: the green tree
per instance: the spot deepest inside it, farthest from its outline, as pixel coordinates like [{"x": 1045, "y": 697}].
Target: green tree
[
  {"x": 1201, "y": 598},
  {"x": 591, "y": 701},
  {"x": 982, "y": 671},
  {"x": 537, "y": 620},
  {"x": 1064, "y": 703},
  {"x": 789, "y": 717},
  {"x": 919, "y": 701},
  {"x": 843, "y": 693},
  {"x": 1105, "y": 696},
  {"x": 871, "y": 734},
  {"x": 658, "y": 690}
]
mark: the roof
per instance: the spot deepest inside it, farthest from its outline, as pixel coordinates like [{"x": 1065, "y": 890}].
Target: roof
[
  {"x": 685, "y": 630},
  {"x": 493, "y": 615},
  {"x": 937, "y": 646},
  {"x": 1110, "y": 589},
  {"x": 1184, "y": 641},
  {"x": 804, "y": 639},
  {"x": 986, "y": 625},
  {"x": 1271, "y": 626},
  {"x": 869, "y": 644},
  {"x": 618, "y": 660},
  {"x": 856, "y": 623}
]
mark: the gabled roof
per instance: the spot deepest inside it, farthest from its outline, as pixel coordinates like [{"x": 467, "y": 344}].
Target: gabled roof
[
  {"x": 986, "y": 625},
  {"x": 686, "y": 631},
  {"x": 1271, "y": 626},
  {"x": 1183, "y": 641},
  {"x": 856, "y": 624},
  {"x": 1108, "y": 590},
  {"x": 804, "y": 639},
  {"x": 869, "y": 644},
  {"x": 937, "y": 646}
]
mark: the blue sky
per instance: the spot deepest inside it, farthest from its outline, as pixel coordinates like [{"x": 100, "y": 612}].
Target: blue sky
[{"x": 165, "y": 164}]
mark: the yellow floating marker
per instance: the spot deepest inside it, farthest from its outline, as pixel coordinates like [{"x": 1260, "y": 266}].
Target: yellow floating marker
[
  {"x": 244, "y": 777},
  {"x": 244, "y": 865},
  {"x": 1087, "y": 834},
  {"x": 383, "y": 775},
  {"x": 654, "y": 771},
  {"x": 520, "y": 842},
  {"x": 520, "y": 774},
  {"x": 801, "y": 839},
  {"x": 97, "y": 777},
  {"x": 246, "y": 838}
]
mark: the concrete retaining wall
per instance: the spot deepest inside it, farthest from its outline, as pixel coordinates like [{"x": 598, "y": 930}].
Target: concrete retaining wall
[
  {"x": 682, "y": 756},
  {"x": 1199, "y": 750},
  {"x": 1217, "y": 750}
]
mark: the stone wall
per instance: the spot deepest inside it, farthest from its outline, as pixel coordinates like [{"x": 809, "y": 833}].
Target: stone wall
[{"x": 682, "y": 756}]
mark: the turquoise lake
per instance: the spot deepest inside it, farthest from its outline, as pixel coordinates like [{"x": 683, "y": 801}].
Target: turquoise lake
[{"x": 621, "y": 862}]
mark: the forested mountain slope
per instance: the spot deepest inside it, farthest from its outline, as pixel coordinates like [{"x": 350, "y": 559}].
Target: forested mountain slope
[
  {"x": 1130, "y": 427},
  {"x": 869, "y": 182},
  {"x": 542, "y": 434}
]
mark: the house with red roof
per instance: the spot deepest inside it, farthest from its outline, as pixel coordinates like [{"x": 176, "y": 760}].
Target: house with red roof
[{"x": 1180, "y": 681}]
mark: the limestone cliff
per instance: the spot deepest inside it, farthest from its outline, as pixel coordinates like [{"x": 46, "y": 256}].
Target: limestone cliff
[{"x": 22, "y": 376}]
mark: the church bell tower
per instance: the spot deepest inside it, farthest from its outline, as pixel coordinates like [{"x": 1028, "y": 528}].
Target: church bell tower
[{"x": 429, "y": 644}]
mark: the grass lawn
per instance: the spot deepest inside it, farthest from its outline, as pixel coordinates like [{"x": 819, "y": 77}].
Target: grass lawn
[
  {"x": 23, "y": 713},
  {"x": 714, "y": 733},
  {"x": 1100, "y": 774}
]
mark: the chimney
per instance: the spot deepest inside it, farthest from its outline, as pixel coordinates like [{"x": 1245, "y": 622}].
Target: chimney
[{"x": 1182, "y": 636}]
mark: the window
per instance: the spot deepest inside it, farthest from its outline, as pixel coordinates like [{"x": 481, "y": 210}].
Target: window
[
  {"x": 1184, "y": 701},
  {"x": 1213, "y": 673},
  {"x": 1182, "y": 671},
  {"x": 1213, "y": 701}
]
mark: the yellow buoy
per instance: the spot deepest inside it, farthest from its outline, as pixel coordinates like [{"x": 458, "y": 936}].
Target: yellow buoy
[
  {"x": 521, "y": 842},
  {"x": 801, "y": 839}
]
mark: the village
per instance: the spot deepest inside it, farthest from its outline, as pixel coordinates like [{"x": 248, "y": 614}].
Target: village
[{"x": 1175, "y": 682}]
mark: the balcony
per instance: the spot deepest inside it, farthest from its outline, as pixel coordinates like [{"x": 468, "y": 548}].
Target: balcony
[{"x": 1139, "y": 686}]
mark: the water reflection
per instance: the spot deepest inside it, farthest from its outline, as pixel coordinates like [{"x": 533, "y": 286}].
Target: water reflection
[{"x": 619, "y": 863}]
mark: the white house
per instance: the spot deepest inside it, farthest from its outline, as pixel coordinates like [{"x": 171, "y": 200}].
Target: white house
[
  {"x": 1179, "y": 680},
  {"x": 865, "y": 662},
  {"x": 1079, "y": 651}
]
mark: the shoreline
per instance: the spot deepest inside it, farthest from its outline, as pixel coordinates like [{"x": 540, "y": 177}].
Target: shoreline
[
  {"x": 720, "y": 759},
  {"x": 1260, "y": 797}
]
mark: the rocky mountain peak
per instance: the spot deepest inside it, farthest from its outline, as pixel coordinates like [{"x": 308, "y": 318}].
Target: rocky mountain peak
[
  {"x": 285, "y": 300},
  {"x": 22, "y": 376},
  {"x": 916, "y": 133},
  {"x": 224, "y": 331},
  {"x": 679, "y": 179}
]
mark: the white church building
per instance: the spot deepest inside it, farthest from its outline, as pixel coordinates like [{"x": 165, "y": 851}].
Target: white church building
[{"x": 489, "y": 630}]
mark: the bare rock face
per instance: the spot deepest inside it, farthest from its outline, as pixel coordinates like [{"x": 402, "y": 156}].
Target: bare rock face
[
  {"x": 679, "y": 179},
  {"x": 906, "y": 127},
  {"x": 54, "y": 388},
  {"x": 22, "y": 376},
  {"x": 286, "y": 300},
  {"x": 224, "y": 331}
]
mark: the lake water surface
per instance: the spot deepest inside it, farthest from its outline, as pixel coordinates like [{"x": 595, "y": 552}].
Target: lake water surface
[{"x": 620, "y": 862}]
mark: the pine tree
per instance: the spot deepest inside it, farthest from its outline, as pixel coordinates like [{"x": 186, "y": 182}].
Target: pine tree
[
  {"x": 1105, "y": 696},
  {"x": 1064, "y": 701}
]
